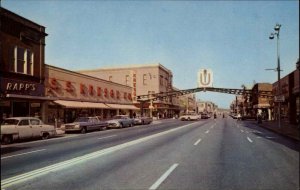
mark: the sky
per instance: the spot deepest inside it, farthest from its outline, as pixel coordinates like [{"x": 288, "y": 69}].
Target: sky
[{"x": 229, "y": 37}]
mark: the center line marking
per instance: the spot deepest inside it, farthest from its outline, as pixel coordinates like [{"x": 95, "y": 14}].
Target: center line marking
[
  {"x": 242, "y": 131},
  {"x": 22, "y": 154},
  {"x": 107, "y": 137},
  {"x": 163, "y": 177},
  {"x": 249, "y": 139},
  {"x": 207, "y": 131},
  {"x": 197, "y": 142}
]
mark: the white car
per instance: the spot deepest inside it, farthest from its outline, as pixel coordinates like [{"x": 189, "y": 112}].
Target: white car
[
  {"x": 120, "y": 121},
  {"x": 189, "y": 117},
  {"x": 17, "y": 128}
]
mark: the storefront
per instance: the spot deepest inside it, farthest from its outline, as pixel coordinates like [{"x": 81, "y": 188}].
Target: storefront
[
  {"x": 21, "y": 98},
  {"x": 76, "y": 94}
]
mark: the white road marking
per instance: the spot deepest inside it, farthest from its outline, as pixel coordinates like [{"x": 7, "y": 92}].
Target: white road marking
[
  {"x": 247, "y": 131},
  {"x": 258, "y": 137},
  {"x": 163, "y": 177},
  {"x": 249, "y": 140},
  {"x": 207, "y": 131},
  {"x": 80, "y": 159},
  {"x": 22, "y": 154},
  {"x": 242, "y": 131},
  {"x": 107, "y": 137},
  {"x": 197, "y": 142}
]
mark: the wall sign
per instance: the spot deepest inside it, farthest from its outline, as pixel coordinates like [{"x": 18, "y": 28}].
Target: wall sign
[{"x": 13, "y": 86}]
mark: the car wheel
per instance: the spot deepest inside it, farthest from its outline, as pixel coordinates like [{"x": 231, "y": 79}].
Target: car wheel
[
  {"x": 189, "y": 119},
  {"x": 83, "y": 130},
  {"x": 7, "y": 139},
  {"x": 45, "y": 136}
]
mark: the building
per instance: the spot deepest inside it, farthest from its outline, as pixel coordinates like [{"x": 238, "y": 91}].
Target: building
[
  {"x": 144, "y": 79},
  {"x": 262, "y": 104},
  {"x": 290, "y": 107},
  {"x": 75, "y": 94},
  {"x": 206, "y": 107},
  {"x": 188, "y": 103},
  {"x": 22, "y": 66}
]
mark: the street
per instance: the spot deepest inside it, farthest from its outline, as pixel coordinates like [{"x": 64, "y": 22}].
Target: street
[{"x": 170, "y": 154}]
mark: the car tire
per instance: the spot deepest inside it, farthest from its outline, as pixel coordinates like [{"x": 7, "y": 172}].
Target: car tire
[
  {"x": 188, "y": 119},
  {"x": 7, "y": 139},
  {"x": 83, "y": 130},
  {"x": 45, "y": 136}
]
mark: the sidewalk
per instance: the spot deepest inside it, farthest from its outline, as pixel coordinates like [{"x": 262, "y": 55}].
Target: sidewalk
[{"x": 288, "y": 130}]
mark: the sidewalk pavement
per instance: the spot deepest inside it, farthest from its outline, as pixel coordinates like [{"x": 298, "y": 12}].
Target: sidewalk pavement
[{"x": 288, "y": 130}]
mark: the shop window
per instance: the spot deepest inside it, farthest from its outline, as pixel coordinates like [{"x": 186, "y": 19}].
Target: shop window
[{"x": 23, "y": 61}]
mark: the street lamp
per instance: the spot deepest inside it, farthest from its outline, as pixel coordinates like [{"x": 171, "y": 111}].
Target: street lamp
[{"x": 271, "y": 37}]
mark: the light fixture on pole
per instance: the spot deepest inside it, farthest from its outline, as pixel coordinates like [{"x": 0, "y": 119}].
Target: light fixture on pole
[{"x": 271, "y": 37}]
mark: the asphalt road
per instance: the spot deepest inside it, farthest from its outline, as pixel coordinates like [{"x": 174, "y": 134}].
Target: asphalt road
[{"x": 207, "y": 154}]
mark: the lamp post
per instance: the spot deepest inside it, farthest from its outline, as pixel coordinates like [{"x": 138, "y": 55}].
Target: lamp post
[{"x": 276, "y": 33}]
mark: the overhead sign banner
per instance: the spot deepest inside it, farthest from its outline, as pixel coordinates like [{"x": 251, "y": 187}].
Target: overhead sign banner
[{"x": 205, "y": 78}]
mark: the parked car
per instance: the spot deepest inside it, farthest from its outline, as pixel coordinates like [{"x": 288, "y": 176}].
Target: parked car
[
  {"x": 17, "y": 128},
  {"x": 189, "y": 117},
  {"x": 120, "y": 121},
  {"x": 84, "y": 124},
  {"x": 142, "y": 120},
  {"x": 204, "y": 116}
]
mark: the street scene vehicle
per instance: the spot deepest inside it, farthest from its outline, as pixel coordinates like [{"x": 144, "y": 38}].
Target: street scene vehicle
[
  {"x": 17, "y": 128},
  {"x": 120, "y": 121},
  {"x": 84, "y": 124},
  {"x": 189, "y": 117},
  {"x": 142, "y": 120},
  {"x": 204, "y": 116}
]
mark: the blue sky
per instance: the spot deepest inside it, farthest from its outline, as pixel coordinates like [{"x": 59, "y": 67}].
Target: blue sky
[{"x": 229, "y": 37}]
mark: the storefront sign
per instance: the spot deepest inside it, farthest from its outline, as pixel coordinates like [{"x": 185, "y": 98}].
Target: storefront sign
[{"x": 12, "y": 86}]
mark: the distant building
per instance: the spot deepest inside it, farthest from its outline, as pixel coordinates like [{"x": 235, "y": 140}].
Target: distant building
[
  {"x": 144, "y": 79},
  {"x": 262, "y": 104}
]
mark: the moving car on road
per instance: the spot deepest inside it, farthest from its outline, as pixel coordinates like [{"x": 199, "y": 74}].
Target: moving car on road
[
  {"x": 142, "y": 120},
  {"x": 204, "y": 116},
  {"x": 189, "y": 117},
  {"x": 84, "y": 124},
  {"x": 120, "y": 121},
  {"x": 17, "y": 128}
]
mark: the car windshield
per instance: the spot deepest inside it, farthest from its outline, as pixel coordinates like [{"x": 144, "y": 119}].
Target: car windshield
[
  {"x": 10, "y": 122},
  {"x": 82, "y": 119}
]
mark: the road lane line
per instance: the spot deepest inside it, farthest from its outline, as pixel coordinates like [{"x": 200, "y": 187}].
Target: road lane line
[
  {"x": 197, "y": 142},
  {"x": 249, "y": 140},
  {"x": 107, "y": 137},
  {"x": 242, "y": 131},
  {"x": 22, "y": 154},
  {"x": 163, "y": 177},
  {"x": 258, "y": 137},
  {"x": 207, "y": 131},
  {"x": 80, "y": 159}
]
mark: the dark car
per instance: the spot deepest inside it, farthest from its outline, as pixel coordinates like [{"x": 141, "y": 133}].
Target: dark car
[
  {"x": 84, "y": 124},
  {"x": 204, "y": 116}
]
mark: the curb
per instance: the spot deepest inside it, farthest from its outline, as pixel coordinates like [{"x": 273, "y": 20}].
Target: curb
[{"x": 283, "y": 134}]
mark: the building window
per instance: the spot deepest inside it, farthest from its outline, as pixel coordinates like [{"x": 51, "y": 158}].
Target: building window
[
  {"x": 161, "y": 80},
  {"x": 22, "y": 61},
  {"x": 145, "y": 79},
  {"x": 127, "y": 80}
]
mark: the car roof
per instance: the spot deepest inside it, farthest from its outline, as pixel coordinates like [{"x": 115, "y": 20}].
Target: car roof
[{"x": 19, "y": 118}]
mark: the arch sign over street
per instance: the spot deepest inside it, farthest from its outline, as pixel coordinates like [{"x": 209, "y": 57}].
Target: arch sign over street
[{"x": 205, "y": 78}]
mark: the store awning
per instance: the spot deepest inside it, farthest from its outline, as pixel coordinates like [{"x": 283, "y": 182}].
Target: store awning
[
  {"x": 122, "y": 106},
  {"x": 76, "y": 104}
]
